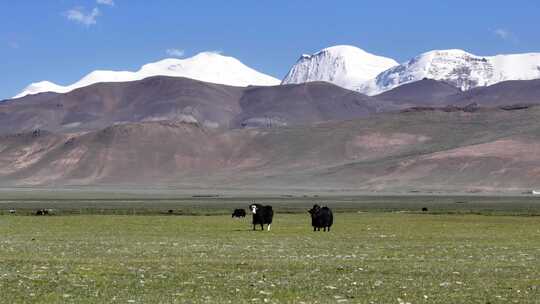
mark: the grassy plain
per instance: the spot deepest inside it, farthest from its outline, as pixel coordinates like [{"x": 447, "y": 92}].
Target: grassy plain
[{"x": 464, "y": 250}]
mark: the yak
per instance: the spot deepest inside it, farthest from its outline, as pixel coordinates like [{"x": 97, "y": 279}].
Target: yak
[
  {"x": 239, "y": 213},
  {"x": 261, "y": 215},
  {"x": 321, "y": 218}
]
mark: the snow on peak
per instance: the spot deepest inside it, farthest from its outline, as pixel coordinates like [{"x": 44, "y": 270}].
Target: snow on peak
[
  {"x": 209, "y": 67},
  {"x": 457, "y": 67},
  {"x": 343, "y": 65},
  {"x": 206, "y": 66},
  {"x": 40, "y": 87}
]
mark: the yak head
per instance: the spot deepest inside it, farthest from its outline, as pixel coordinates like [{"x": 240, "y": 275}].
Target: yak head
[
  {"x": 313, "y": 211},
  {"x": 254, "y": 207}
]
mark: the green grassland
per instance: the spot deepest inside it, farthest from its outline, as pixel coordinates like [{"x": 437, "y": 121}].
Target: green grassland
[
  {"x": 464, "y": 250},
  {"x": 155, "y": 202}
]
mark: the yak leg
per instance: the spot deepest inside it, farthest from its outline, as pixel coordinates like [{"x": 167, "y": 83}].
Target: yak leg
[
  {"x": 262, "y": 227},
  {"x": 253, "y": 227},
  {"x": 268, "y": 228},
  {"x": 314, "y": 228}
]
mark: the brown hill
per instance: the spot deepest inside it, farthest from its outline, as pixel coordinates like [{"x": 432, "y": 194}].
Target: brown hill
[
  {"x": 303, "y": 104},
  {"x": 426, "y": 92},
  {"x": 184, "y": 100},
  {"x": 502, "y": 94},
  {"x": 100, "y": 105},
  {"x": 493, "y": 150},
  {"x": 434, "y": 93}
]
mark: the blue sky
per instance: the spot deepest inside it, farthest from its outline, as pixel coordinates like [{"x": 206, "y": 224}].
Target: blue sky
[{"x": 62, "y": 40}]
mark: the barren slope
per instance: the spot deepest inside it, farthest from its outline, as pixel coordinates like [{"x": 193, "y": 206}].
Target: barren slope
[
  {"x": 488, "y": 150},
  {"x": 184, "y": 100}
]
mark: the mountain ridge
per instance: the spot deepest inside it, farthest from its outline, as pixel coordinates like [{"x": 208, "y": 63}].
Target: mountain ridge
[
  {"x": 343, "y": 65},
  {"x": 347, "y": 66},
  {"x": 460, "y": 68},
  {"x": 184, "y": 99},
  {"x": 206, "y": 66}
]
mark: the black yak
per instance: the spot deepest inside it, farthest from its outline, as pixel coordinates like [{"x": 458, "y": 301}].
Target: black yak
[
  {"x": 42, "y": 212},
  {"x": 239, "y": 213},
  {"x": 262, "y": 215},
  {"x": 321, "y": 218}
]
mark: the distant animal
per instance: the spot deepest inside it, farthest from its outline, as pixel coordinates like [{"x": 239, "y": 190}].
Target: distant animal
[
  {"x": 170, "y": 211},
  {"x": 321, "y": 218},
  {"x": 261, "y": 215},
  {"x": 239, "y": 213},
  {"x": 12, "y": 211},
  {"x": 424, "y": 209},
  {"x": 42, "y": 212}
]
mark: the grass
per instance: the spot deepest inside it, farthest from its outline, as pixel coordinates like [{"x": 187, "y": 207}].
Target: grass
[
  {"x": 368, "y": 258},
  {"x": 67, "y": 203}
]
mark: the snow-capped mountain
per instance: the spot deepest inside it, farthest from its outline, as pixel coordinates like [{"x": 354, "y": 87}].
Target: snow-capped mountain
[
  {"x": 42, "y": 86},
  {"x": 343, "y": 65},
  {"x": 457, "y": 67},
  {"x": 206, "y": 66}
]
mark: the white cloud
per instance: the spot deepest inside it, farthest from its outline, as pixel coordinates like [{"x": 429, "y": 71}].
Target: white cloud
[
  {"x": 80, "y": 16},
  {"x": 106, "y": 2},
  {"x": 502, "y": 33},
  {"x": 175, "y": 52}
]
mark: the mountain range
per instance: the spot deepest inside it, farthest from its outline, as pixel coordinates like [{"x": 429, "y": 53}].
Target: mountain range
[
  {"x": 459, "y": 68},
  {"x": 346, "y": 66},
  {"x": 357, "y": 70},
  {"x": 207, "y": 66},
  {"x": 216, "y": 106},
  {"x": 180, "y": 132},
  {"x": 315, "y": 135},
  {"x": 187, "y": 100}
]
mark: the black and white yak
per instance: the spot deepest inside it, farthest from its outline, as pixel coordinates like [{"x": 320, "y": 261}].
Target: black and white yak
[
  {"x": 43, "y": 212},
  {"x": 321, "y": 218},
  {"x": 239, "y": 213},
  {"x": 261, "y": 215}
]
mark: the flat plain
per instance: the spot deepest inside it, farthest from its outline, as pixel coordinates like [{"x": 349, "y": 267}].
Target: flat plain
[{"x": 382, "y": 249}]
